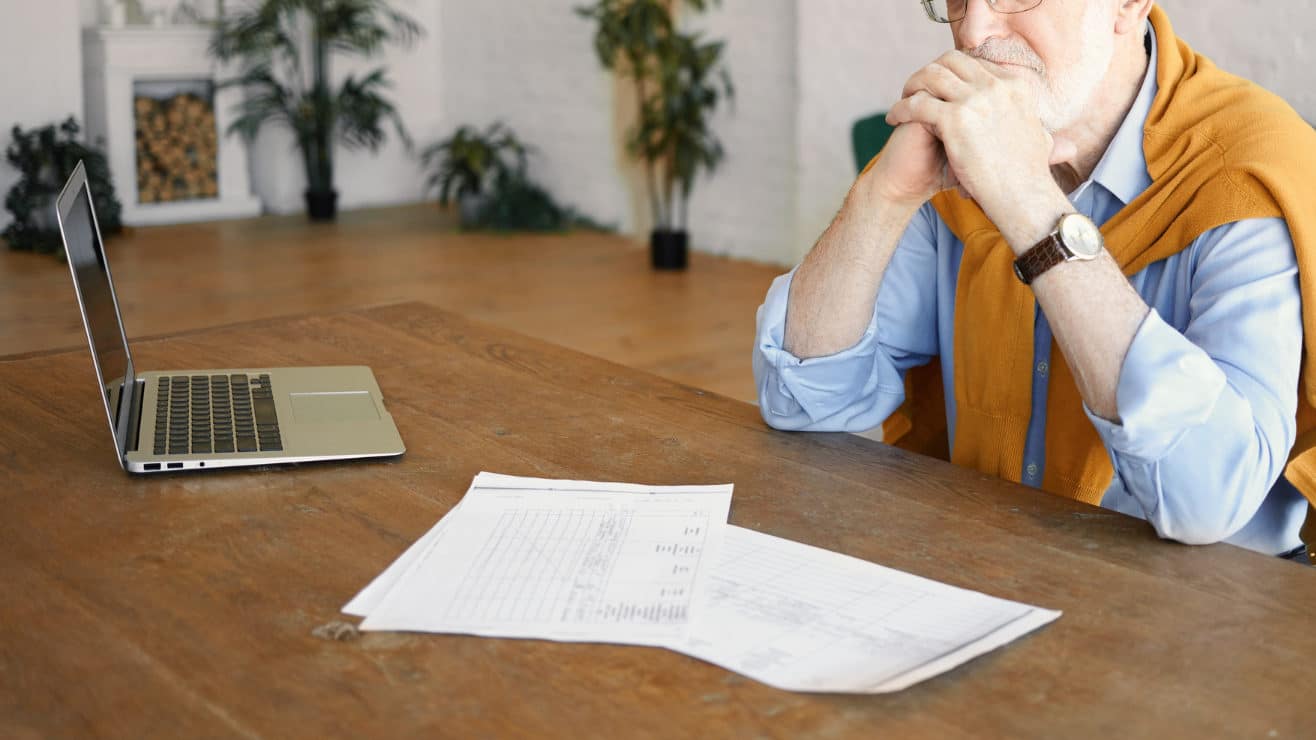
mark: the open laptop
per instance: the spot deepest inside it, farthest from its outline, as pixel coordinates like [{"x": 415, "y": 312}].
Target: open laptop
[{"x": 193, "y": 419}]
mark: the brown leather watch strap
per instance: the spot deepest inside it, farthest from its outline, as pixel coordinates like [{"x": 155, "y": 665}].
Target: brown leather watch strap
[{"x": 1041, "y": 257}]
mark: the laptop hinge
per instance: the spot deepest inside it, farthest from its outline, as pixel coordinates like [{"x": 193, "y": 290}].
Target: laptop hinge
[{"x": 135, "y": 415}]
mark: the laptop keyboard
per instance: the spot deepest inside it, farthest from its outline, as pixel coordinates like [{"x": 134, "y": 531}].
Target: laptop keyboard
[{"x": 215, "y": 414}]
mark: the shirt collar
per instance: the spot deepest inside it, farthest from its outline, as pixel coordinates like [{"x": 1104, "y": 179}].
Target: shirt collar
[{"x": 1123, "y": 168}]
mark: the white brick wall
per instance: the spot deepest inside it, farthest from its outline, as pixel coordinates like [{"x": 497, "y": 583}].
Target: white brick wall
[
  {"x": 748, "y": 208},
  {"x": 855, "y": 56},
  {"x": 531, "y": 64},
  {"x": 41, "y": 55},
  {"x": 1269, "y": 42}
]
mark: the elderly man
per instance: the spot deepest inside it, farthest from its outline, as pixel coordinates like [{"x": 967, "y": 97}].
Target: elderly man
[{"x": 1094, "y": 229}]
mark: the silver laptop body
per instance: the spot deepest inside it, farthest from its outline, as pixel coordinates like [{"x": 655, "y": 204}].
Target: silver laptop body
[{"x": 220, "y": 418}]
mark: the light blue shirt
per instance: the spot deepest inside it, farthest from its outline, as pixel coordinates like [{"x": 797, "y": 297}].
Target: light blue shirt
[{"x": 1206, "y": 395}]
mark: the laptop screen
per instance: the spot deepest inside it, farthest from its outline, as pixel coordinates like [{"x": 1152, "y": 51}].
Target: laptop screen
[{"x": 87, "y": 261}]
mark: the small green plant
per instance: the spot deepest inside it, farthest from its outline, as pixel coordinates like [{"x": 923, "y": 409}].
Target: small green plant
[
  {"x": 44, "y": 158},
  {"x": 285, "y": 48},
  {"x": 516, "y": 203},
  {"x": 466, "y": 163},
  {"x": 484, "y": 172}
]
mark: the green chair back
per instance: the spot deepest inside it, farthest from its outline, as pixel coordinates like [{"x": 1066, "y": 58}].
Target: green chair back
[{"x": 867, "y": 138}]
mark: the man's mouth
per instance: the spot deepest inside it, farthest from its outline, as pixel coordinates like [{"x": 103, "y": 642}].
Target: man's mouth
[
  {"x": 1016, "y": 65},
  {"x": 1006, "y": 54}
]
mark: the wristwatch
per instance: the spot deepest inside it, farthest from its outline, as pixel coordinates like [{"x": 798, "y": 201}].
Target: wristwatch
[{"x": 1075, "y": 238}]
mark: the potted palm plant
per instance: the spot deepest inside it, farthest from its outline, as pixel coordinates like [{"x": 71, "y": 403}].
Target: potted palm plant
[
  {"x": 679, "y": 80},
  {"x": 284, "y": 47}
]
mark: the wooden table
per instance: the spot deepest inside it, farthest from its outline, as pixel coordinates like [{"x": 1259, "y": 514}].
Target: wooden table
[{"x": 193, "y": 605}]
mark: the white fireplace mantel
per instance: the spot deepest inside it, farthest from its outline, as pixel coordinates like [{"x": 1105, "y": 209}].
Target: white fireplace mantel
[{"x": 112, "y": 60}]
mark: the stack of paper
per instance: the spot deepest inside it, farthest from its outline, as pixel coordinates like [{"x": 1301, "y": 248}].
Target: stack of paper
[
  {"x": 557, "y": 560},
  {"x": 659, "y": 565}
]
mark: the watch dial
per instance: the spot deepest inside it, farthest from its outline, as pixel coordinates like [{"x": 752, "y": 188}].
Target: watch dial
[{"x": 1081, "y": 236}]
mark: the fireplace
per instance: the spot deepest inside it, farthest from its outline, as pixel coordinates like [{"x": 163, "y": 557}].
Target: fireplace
[{"x": 153, "y": 103}]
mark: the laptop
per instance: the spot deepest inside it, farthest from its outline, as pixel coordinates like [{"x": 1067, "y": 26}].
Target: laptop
[{"x": 165, "y": 421}]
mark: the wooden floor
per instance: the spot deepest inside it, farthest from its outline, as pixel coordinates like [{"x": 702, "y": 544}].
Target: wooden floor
[{"x": 590, "y": 292}]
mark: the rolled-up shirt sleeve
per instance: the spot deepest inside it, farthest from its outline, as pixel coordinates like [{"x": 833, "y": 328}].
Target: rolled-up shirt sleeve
[
  {"x": 857, "y": 388},
  {"x": 1206, "y": 412}
]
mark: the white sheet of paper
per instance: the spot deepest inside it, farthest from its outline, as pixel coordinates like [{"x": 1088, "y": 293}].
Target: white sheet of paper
[
  {"x": 559, "y": 560},
  {"x": 805, "y": 619}
]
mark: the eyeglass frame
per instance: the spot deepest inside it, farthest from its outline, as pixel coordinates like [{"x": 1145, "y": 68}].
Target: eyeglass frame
[{"x": 932, "y": 14}]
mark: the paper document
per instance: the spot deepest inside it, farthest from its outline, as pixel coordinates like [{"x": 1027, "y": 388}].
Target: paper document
[
  {"x": 559, "y": 560},
  {"x": 659, "y": 565},
  {"x": 805, "y": 619}
]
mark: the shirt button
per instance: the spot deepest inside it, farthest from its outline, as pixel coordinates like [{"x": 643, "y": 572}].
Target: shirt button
[
  {"x": 1042, "y": 367},
  {"x": 1031, "y": 470}
]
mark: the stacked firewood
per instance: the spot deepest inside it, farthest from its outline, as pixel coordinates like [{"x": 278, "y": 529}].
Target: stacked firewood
[{"x": 177, "y": 149}]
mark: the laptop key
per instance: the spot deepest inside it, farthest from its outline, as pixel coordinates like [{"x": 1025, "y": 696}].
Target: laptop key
[{"x": 265, "y": 411}]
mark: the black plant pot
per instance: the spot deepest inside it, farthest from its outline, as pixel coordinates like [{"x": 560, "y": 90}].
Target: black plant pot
[
  {"x": 668, "y": 249},
  {"x": 322, "y": 205}
]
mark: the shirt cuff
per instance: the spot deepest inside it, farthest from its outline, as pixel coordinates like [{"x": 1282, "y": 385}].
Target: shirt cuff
[
  {"x": 1167, "y": 386},
  {"x": 825, "y": 386}
]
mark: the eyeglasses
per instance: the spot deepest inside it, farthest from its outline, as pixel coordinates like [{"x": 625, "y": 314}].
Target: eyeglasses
[{"x": 952, "y": 11}]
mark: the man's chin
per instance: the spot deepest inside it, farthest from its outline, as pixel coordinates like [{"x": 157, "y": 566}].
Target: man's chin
[{"x": 1055, "y": 119}]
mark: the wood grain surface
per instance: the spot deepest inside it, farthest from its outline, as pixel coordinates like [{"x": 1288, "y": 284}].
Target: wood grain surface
[{"x": 202, "y": 605}]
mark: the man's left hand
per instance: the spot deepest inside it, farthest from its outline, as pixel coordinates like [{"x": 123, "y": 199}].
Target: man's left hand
[{"x": 986, "y": 116}]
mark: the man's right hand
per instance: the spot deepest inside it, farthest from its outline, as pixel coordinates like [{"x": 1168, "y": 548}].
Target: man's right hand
[
  {"x": 912, "y": 168},
  {"x": 833, "y": 291}
]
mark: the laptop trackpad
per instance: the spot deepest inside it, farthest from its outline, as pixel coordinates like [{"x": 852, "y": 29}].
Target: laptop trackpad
[{"x": 319, "y": 408}]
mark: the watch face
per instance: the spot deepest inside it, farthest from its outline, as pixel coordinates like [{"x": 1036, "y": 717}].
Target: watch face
[{"x": 1080, "y": 236}]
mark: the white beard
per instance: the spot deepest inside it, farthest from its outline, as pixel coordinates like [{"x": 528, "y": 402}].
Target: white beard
[{"x": 1063, "y": 95}]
